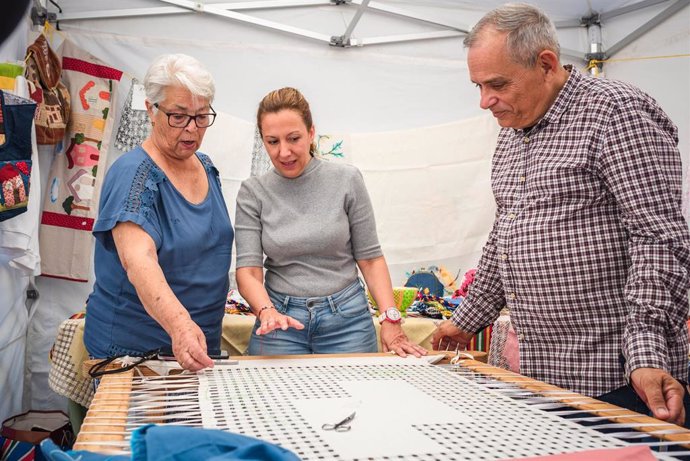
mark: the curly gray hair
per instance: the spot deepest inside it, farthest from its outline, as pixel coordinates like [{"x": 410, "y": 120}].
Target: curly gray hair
[{"x": 178, "y": 70}]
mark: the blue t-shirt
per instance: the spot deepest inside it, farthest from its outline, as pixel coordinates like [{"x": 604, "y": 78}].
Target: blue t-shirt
[{"x": 194, "y": 246}]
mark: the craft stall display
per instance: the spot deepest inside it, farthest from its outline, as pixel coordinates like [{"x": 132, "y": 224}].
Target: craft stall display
[
  {"x": 75, "y": 178},
  {"x": 393, "y": 408}
]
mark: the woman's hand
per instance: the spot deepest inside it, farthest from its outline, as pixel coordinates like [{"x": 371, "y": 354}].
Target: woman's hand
[
  {"x": 189, "y": 346},
  {"x": 271, "y": 320},
  {"x": 393, "y": 338},
  {"x": 250, "y": 282}
]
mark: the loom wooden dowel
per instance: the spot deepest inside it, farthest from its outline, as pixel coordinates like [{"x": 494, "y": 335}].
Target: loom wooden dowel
[
  {"x": 591, "y": 405},
  {"x": 118, "y": 415}
]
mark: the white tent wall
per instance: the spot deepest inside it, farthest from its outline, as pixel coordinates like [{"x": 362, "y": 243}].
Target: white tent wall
[
  {"x": 15, "y": 309},
  {"x": 662, "y": 78},
  {"x": 395, "y": 88}
]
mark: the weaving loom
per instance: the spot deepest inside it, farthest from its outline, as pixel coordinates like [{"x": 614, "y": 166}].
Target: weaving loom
[{"x": 468, "y": 410}]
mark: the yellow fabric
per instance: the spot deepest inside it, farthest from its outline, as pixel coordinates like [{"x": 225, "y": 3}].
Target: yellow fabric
[
  {"x": 78, "y": 351},
  {"x": 6, "y": 83},
  {"x": 237, "y": 330}
]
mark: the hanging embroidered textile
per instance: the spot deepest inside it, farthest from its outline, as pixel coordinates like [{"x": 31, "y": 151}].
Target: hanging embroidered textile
[
  {"x": 135, "y": 125},
  {"x": 71, "y": 201},
  {"x": 15, "y": 154}
]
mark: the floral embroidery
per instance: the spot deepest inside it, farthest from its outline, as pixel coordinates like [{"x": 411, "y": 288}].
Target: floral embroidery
[{"x": 144, "y": 188}]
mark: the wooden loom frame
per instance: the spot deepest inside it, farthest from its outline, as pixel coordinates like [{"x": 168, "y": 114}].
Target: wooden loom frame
[{"x": 112, "y": 397}]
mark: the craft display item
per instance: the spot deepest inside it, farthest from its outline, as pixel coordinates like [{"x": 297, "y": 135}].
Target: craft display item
[
  {"x": 15, "y": 154},
  {"x": 43, "y": 70},
  {"x": 402, "y": 296}
]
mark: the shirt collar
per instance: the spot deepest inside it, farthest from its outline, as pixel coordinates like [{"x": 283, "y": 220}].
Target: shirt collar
[
  {"x": 565, "y": 96},
  {"x": 562, "y": 102}
]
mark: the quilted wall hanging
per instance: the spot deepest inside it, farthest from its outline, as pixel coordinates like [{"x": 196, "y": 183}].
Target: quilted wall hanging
[{"x": 71, "y": 200}]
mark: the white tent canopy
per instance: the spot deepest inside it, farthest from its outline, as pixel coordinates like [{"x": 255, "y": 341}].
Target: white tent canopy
[{"x": 388, "y": 77}]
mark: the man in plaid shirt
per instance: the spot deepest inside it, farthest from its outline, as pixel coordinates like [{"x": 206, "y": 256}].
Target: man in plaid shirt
[{"x": 589, "y": 249}]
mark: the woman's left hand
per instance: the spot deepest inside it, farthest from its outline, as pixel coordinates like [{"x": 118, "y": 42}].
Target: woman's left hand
[{"x": 393, "y": 338}]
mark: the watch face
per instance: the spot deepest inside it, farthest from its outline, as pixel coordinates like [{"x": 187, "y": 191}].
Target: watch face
[{"x": 393, "y": 314}]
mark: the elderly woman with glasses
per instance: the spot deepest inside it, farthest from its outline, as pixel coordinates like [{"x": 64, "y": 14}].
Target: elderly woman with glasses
[{"x": 163, "y": 235}]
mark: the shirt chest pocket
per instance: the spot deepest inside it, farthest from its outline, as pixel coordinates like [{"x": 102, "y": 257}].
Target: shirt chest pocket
[{"x": 564, "y": 177}]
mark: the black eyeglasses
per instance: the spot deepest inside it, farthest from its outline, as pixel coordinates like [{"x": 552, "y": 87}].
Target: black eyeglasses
[
  {"x": 101, "y": 368},
  {"x": 182, "y": 120}
]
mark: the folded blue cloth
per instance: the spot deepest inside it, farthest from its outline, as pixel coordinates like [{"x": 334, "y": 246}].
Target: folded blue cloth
[
  {"x": 52, "y": 452},
  {"x": 180, "y": 443}
]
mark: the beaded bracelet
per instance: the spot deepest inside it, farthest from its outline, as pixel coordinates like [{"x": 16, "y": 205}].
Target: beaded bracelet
[{"x": 264, "y": 308}]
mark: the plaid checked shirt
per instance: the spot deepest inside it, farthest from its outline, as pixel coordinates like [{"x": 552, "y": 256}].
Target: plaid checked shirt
[{"x": 589, "y": 249}]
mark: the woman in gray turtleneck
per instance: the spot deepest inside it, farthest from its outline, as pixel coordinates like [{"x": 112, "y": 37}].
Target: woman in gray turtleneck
[{"x": 314, "y": 223}]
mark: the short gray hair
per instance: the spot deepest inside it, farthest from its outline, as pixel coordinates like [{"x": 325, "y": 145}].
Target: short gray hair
[
  {"x": 170, "y": 70},
  {"x": 529, "y": 31}
]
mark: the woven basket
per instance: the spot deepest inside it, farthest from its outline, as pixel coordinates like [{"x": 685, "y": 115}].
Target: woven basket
[{"x": 403, "y": 297}]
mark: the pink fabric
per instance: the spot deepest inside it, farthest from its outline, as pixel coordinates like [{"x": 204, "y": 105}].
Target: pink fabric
[
  {"x": 511, "y": 352},
  {"x": 636, "y": 453}
]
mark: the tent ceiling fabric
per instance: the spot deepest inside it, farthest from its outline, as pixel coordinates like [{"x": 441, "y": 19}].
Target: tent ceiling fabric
[{"x": 417, "y": 20}]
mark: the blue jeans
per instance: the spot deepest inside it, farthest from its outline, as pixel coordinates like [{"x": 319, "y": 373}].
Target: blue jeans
[
  {"x": 626, "y": 397},
  {"x": 339, "y": 323}
]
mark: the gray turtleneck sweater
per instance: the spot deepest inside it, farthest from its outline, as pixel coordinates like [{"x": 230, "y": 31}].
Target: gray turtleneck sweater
[{"x": 311, "y": 228}]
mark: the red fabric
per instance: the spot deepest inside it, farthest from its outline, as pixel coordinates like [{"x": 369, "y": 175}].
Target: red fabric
[
  {"x": 8, "y": 172},
  {"x": 63, "y": 220},
  {"x": 636, "y": 453},
  {"x": 90, "y": 68}
]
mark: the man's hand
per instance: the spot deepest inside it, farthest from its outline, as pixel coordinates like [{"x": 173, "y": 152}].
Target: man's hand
[
  {"x": 449, "y": 337},
  {"x": 393, "y": 338},
  {"x": 662, "y": 394}
]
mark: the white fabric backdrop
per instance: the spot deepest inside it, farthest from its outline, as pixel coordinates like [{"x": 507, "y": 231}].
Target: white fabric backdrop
[{"x": 431, "y": 192}]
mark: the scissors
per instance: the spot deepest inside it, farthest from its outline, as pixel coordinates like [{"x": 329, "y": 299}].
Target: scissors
[{"x": 341, "y": 426}]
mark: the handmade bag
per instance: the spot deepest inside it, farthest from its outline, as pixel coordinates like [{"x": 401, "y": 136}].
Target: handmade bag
[
  {"x": 21, "y": 434},
  {"x": 15, "y": 154},
  {"x": 43, "y": 70}
]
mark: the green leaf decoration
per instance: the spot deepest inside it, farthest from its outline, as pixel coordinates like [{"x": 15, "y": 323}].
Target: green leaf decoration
[{"x": 67, "y": 204}]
